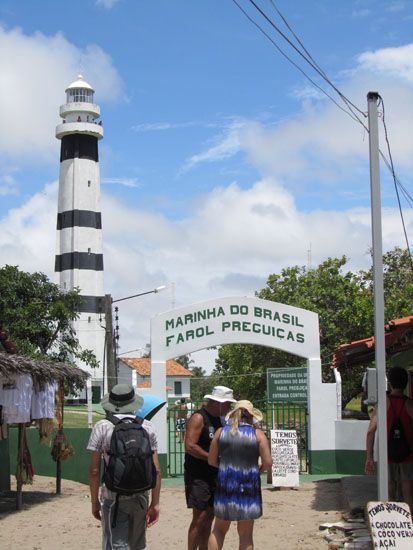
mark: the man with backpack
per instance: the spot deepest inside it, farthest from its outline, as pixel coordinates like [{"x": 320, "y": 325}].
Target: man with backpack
[
  {"x": 399, "y": 438},
  {"x": 128, "y": 446}
]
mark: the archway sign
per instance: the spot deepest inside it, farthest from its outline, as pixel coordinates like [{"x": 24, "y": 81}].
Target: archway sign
[{"x": 242, "y": 320}]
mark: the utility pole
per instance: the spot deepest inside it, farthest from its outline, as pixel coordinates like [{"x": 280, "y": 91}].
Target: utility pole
[
  {"x": 111, "y": 372},
  {"x": 379, "y": 339}
]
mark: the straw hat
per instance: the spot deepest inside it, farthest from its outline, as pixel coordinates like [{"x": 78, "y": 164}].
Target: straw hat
[
  {"x": 222, "y": 394},
  {"x": 248, "y": 406},
  {"x": 122, "y": 399}
]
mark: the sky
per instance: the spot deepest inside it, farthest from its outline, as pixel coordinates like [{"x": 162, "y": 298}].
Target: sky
[{"x": 221, "y": 162}]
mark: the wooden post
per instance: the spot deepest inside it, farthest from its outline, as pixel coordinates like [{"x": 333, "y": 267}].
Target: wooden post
[
  {"x": 19, "y": 494},
  {"x": 60, "y": 438}
]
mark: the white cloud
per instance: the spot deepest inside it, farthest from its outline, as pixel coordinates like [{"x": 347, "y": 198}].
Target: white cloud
[
  {"x": 225, "y": 146},
  {"x": 7, "y": 185},
  {"x": 227, "y": 245},
  {"x": 39, "y": 67},
  {"x": 125, "y": 182},
  {"x": 391, "y": 62},
  {"x": 320, "y": 144},
  {"x": 28, "y": 233}
]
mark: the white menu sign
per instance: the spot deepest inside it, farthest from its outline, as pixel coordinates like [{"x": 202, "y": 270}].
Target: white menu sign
[
  {"x": 390, "y": 525},
  {"x": 284, "y": 452}
]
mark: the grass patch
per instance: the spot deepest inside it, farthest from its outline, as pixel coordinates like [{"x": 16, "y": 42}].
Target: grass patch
[{"x": 78, "y": 419}]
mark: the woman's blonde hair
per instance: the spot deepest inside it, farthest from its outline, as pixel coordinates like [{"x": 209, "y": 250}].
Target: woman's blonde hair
[{"x": 235, "y": 418}]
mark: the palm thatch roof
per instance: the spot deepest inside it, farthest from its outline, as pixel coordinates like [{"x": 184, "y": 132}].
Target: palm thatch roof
[{"x": 41, "y": 370}]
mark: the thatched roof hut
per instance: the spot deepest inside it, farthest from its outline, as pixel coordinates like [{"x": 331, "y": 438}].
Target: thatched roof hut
[{"x": 41, "y": 370}]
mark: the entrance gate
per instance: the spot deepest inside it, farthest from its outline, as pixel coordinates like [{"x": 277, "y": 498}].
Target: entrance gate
[
  {"x": 245, "y": 320},
  {"x": 280, "y": 416}
]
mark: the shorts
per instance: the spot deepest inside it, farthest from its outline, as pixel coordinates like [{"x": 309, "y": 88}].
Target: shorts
[
  {"x": 401, "y": 471},
  {"x": 180, "y": 425},
  {"x": 199, "y": 492},
  {"x": 130, "y": 529}
]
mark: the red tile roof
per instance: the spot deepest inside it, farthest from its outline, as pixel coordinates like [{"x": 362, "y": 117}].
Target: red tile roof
[
  {"x": 398, "y": 335},
  {"x": 143, "y": 366}
]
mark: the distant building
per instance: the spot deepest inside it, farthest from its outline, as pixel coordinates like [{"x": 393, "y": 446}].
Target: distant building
[
  {"x": 137, "y": 371},
  {"x": 79, "y": 254}
]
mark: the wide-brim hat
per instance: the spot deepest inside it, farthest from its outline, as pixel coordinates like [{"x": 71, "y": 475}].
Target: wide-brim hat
[
  {"x": 222, "y": 394},
  {"x": 122, "y": 399},
  {"x": 248, "y": 406}
]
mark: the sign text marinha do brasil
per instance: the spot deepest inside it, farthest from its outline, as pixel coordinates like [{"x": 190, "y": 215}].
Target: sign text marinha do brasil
[{"x": 235, "y": 320}]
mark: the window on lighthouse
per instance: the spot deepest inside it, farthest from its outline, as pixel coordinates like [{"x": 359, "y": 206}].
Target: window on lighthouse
[{"x": 79, "y": 95}]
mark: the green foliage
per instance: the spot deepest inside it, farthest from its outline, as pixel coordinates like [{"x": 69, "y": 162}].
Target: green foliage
[
  {"x": 38, "y": 316},
  {"x": 344, "y": 302}
]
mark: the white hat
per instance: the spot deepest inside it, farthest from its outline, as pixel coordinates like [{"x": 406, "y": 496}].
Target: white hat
[{"x": 222, "y": 394}]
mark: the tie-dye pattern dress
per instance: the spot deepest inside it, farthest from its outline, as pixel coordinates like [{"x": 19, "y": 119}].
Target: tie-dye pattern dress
[{"x": 238, "y": 494}]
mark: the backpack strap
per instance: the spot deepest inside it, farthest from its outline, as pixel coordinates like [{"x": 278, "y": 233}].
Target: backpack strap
[
  {"x": 115, "y": 420},
  {"x": 112, "y": 418}
]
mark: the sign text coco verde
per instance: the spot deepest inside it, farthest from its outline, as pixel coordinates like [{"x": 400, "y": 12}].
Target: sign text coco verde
[{"x": 233, "y": 318}]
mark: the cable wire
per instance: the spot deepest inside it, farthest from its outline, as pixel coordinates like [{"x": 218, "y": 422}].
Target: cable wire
[
  {"x": 350, "y": 114},
  {"x": 308, "y": 60}
]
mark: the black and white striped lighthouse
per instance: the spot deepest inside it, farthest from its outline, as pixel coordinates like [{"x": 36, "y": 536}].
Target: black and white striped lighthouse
[{"x": 79, "y": 254}]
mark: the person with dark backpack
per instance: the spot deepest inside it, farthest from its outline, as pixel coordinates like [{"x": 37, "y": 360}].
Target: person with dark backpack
[
  {"x": 399, "y": 438},
  {"x": 128, "y": 446}
]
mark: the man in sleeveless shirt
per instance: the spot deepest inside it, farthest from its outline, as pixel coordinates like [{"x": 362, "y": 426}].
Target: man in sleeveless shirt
[
  {"x": 200, "y": 478},
  {"x": 400, "y": 474}
]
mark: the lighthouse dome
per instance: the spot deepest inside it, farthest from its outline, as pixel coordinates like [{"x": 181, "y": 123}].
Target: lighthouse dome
[{"x": 80, "y": 82}]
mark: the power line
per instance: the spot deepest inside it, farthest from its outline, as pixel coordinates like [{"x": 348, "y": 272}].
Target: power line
[
  {"x": 355, "y": 118},
  {"x": 308, "y": 60}
]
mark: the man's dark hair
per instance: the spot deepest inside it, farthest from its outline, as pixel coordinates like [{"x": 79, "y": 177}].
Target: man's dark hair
[{"x": 398, "y": 378}]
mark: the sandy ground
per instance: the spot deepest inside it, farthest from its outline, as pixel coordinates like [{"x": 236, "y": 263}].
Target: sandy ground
[{"x": 48, "y": 522}]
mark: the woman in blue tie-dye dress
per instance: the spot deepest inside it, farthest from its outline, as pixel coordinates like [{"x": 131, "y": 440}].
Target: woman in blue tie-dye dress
[{"x": 235, "y": 450}]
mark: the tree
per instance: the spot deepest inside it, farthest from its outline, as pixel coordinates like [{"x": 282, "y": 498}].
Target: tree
[
  {"x": 345, "y": 314},
  {"x": 397, "y": 283},
  {"x": 39, "y": 317}
]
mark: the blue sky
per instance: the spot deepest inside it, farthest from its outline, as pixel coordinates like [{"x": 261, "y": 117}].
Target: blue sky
[{"x": 221, "y": 163}]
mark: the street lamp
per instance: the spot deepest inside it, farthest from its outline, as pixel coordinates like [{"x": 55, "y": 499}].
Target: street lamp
[
  {"x": 154, "y": 291},
  {"x": 110, "y": 347}
]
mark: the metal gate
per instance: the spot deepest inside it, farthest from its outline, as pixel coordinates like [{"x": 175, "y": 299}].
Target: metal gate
[
  {"x": 277, "y": 416},
  {"x": 288, "y": 416}
]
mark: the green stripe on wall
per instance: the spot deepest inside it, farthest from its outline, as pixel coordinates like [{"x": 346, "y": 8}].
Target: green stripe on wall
[
  {"x": 339, "y": 461},
  {"x": 75, "y": 468}
]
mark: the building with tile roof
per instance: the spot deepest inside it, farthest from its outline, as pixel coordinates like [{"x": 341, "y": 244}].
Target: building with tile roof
[{"x": 137, "y": 371}]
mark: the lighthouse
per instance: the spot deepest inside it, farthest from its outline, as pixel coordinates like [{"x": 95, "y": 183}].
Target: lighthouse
[{"x": 79, "y": 254}]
